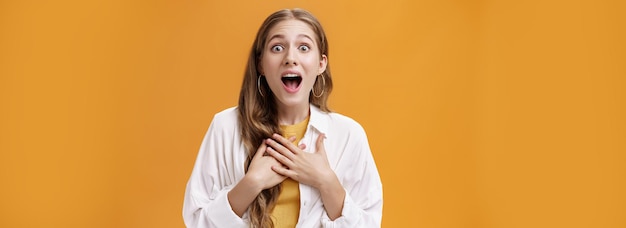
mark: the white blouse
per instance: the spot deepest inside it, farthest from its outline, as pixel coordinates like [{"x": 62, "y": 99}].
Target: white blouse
[{"x": 220, "y": 165}]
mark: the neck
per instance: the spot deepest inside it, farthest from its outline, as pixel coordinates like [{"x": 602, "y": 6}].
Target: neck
[{"x": 292, "y": 114}]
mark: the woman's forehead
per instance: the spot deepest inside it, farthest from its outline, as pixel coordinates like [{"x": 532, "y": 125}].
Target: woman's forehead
[{"x": 291, "y": 28}]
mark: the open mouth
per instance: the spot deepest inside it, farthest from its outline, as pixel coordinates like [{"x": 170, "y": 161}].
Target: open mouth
[{"x": 292, "y": 81}]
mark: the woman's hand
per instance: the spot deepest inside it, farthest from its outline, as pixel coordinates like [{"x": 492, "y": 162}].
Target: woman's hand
[
  {"x": 310, "y": 169},
  {"x": 260, "y": 176},
  {"x": 307, "y": 168},
  {"x": 260, "y": 170}
]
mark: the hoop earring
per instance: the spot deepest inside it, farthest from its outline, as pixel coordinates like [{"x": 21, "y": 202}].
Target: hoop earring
[
  {"x": 323, "y": 85},
  {"x": 258, "y": 85}
]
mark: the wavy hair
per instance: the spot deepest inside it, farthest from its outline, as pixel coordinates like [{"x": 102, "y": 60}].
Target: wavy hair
[{"x": 258, "y": 118}]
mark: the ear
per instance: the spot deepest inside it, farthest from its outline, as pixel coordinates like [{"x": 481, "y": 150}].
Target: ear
[
  {"x": 323, "y": 64},
  {"x": 259, "y": 69}
]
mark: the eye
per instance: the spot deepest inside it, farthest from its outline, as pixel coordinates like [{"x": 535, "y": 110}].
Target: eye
[
  {"x": 277, "y": 48},
  {"x": 304, "y": 48}
]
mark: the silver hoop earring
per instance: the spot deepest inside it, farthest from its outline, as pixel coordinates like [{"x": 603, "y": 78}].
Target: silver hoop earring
[
  {"x": 323, "y": 85},
  {"x": 258, "y": 85}
]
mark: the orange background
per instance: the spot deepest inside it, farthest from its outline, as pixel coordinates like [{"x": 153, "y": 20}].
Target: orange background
[{"x": 479, "y": 113}]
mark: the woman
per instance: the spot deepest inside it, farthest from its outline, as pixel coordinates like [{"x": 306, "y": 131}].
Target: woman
[{"x": 281, "y": 158}]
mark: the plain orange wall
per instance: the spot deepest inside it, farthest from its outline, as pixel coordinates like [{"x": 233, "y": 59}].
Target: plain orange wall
[{"x": 479, "y": 113}]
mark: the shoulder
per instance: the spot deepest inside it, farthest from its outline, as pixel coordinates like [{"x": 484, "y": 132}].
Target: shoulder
[
  {"x": 338, "y": 118},
  {"x": 346, "y": 124},
  {"x": 225, "y": 119},
  {"x": 227, "y": 114}
]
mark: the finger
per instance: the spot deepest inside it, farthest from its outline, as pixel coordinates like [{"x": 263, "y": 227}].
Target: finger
[
  {"x": 261, "y": 150},
  {"x": 280, "y": 148},
  {"x": 285, "y": 143},
  {"x": 320, "y": 143},
  {"x": 302, "y": 146},
  {"x": 279, "y": 157},
  {"x": 285, "y": 172}
]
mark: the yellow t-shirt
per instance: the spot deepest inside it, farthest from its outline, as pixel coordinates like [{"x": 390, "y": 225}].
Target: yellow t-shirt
[{"x": 287, "y": 207}]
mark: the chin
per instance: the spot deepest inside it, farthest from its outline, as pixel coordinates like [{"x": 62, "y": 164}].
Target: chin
[{"x": 294, "y": 101}]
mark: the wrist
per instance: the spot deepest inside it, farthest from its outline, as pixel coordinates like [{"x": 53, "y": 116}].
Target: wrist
[
  {"x": 329, "y": 183},
  {"x": 249, "y": 181},
  {"x": 243, "y": 194},
  {"x": 333, "y": 195}
]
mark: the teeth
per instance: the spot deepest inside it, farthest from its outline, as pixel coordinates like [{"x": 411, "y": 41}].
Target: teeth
[{"x": 291, "y": 75}]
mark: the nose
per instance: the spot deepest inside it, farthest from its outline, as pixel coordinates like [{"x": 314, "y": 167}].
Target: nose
[{"x": 290, "y": 57}]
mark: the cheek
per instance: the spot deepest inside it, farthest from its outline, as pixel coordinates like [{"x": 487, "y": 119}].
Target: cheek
[
  {"x": 271, "y": 61},
  {"x": 312, "y": 63},
  {"x": 310, "y": 81}
]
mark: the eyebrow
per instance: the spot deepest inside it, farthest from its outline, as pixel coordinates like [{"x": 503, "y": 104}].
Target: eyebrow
[{"x": 281, "y": 36}]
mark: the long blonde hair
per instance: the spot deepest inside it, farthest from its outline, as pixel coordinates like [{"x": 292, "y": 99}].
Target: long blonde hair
[{"x": 258, "y": 117}]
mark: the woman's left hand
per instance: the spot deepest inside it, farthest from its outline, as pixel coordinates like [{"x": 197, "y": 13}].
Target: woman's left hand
[{"x": 307, "y": 168}]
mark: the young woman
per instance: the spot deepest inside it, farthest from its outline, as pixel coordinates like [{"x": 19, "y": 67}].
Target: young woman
[{"x": 281, "y": 158}]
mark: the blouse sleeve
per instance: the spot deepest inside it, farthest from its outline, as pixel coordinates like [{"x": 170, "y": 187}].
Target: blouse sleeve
[
  {"x": 363, "y": 203},
  {"x": 206, "y": 202}
]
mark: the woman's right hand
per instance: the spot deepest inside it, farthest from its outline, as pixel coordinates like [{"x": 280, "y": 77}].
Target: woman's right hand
[
  {"x": 260, "y": 176},
  {"x": 260, "y": 170}
]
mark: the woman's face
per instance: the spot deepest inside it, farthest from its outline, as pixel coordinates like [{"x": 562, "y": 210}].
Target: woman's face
[{"x": 291, "y": 62}]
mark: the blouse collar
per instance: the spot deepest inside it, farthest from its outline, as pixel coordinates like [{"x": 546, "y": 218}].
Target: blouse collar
[{"x": 319, "y": 119}]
